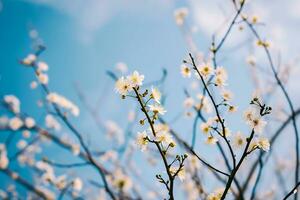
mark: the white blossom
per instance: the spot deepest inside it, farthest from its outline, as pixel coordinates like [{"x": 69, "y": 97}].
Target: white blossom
[
  {"x": 13, "y": 102},
  {"x": 63, "y": 102},
  {"x": 15, "y": 123},
  {"x": 3, "y": 157}
]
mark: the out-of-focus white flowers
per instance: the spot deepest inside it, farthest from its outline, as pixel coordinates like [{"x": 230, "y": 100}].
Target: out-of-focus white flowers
[
  {"x": 121, "y": 67},
  {"x": 251, "y": 60},
  {"x": 4, "y": 120},
  {"x": 50, "y": 195},
  {"x": 42, "y": 66},
  {"x": 77, "y": 184},
  {"x": 60, "y": 182},
  {"x": 239, "y": 140},
  {"x": 113, "y": 131},
  {"x": 211, "y": 140},
  {"x": 29, "y": 59},
  {"x": 216, "y": 195},
  {"x": 193, "y": 163},
  {"x": 227, "y": 95},
  {"x": 110, "y": 155},
  {"x": 180, "y": 15},
  {"x": 220, "y": 76},
  {"x": 120, "y": 181},
  {"x": 52, "y": 123},
  {"x": 33, "y": 85},
  {"x": 75, "y": 149},
  {"x": 21, "y": 144},
  {"x": 13, "y": 103},
  {"x": 203, "y": 103},
  {"x": 29, "y": 122},
  {"x": 188, "y": 102},
  {"x": 15, "y": 123},
  {"x": 63, "y": 102},
  {"x": 3, "y": 157},
  {"x": 131, "y": 116},
  {"x": 43, "y": 78}
]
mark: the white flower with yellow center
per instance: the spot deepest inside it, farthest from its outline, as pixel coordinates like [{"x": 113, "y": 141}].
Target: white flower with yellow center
[
  {"x": 155, "y": 94},
  {"x": 136, "y": 79},
  {"x": 157, "y": 109},
  {"x": 123, "y": 86},
  {"x": 205, "y": 128},
  {"x": 205, "y": 70},
  {"x": 185, "y": 71},
  {"x": 141, "y": 140},
  {"x": 164, "y": 137}
]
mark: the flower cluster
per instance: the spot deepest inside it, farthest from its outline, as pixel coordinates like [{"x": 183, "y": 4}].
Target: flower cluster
[
  {"x": 157, "y": 133},
  {"x": 63, "y": 102},
  {"x": 40, "y": 68},
  {"x": 13, "y": 102},
  {"x": 3, "y": 157},
  {"x": 162, "y": 137},
  {"x": 126, "y": 84},
  {"x": 254, "y": 117},
  {"x": 214, "y": 76}
]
